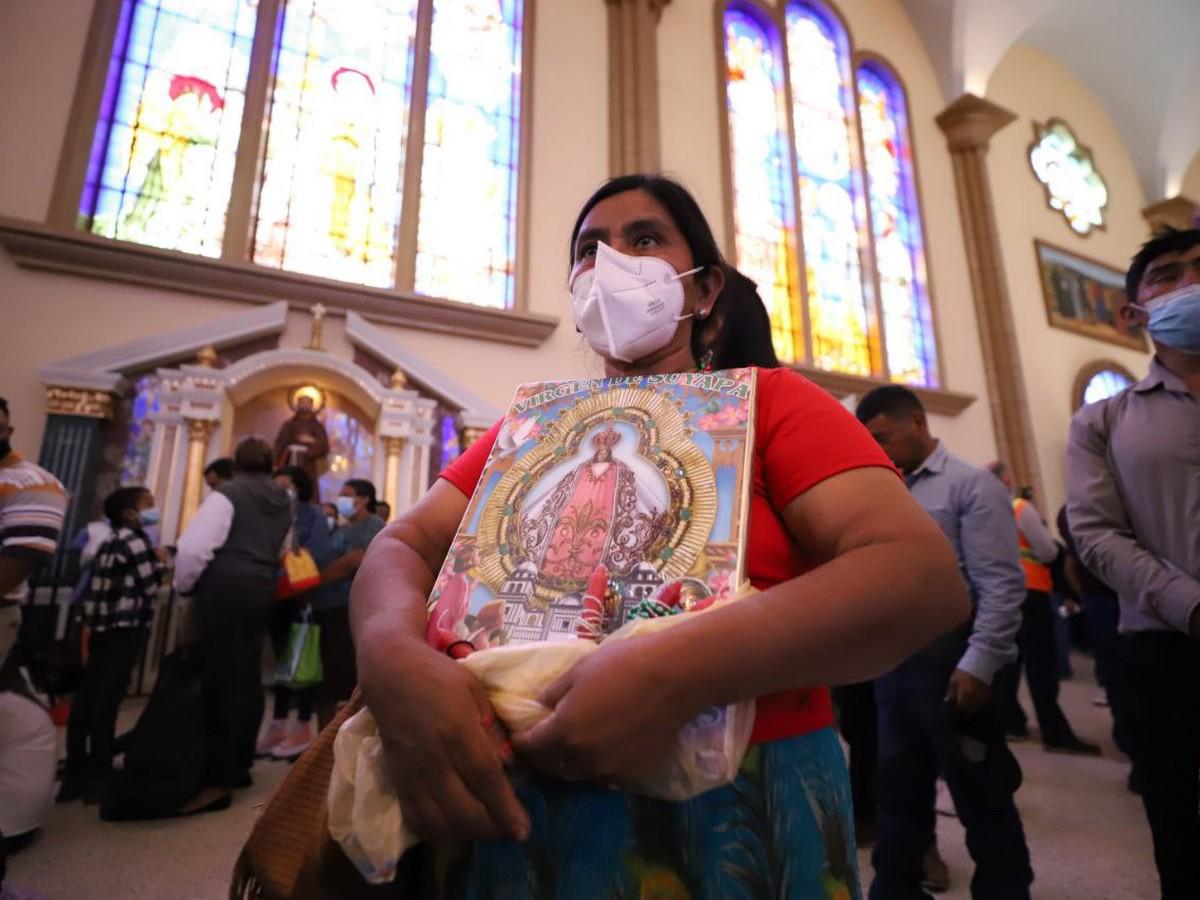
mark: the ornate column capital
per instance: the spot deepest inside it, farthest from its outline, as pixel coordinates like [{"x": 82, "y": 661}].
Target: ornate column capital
[
  {"x": 392, "y": 446},
  {"x": 1177, "y": 212},
  {"x": 969, "y": 122},
  {"x": 69, "y": 401},
  {"x": 200, "y": 430}
]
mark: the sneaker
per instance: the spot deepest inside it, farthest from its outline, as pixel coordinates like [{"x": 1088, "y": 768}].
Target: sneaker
[
  {"x": 276, "y": 732},
  {"x": 298, "y": 739}
]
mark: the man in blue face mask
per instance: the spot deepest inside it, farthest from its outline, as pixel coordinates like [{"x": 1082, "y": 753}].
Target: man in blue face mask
[{"x": 1134, "y": 512}]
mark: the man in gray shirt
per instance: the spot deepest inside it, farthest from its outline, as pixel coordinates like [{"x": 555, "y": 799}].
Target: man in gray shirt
[
  {"x": 1133, "y": 473},
  {"x": 935, "y": 709}
]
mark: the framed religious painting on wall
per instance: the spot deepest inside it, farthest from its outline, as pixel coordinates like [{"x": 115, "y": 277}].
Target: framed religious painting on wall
[
  {"x": 598, "y": 495},
  {"x": 1083, "y": 296}
]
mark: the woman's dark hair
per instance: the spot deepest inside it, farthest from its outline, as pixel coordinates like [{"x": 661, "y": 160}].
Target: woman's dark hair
[
  {"x": 253, "y": 455},
  {"x": 364, "y": 488},
  {"x": 738, "y": 328},
  {"x": 299, "y": 478},
  {"x": 122, "y": 499}
]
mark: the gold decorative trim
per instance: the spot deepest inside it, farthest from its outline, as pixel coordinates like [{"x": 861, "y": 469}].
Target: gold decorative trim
[
  {"x": 207, "y": 357},
  {"x": 393, "y": 446},
  {"x": 664, "y": 442},
  {"x": 471, "y": 435},
  {"x": 200, "y": 430},
  {"x": 65, "y": 401}
]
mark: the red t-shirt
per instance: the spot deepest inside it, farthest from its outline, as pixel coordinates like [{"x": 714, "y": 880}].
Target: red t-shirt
[{"x": 802, "y": 437}]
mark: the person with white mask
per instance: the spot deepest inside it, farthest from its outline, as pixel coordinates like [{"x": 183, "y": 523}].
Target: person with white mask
[
  {"x": 1133, "y": 477},
  {"x": 117, "y": 608},
  {"x": 852, "y": 577}
]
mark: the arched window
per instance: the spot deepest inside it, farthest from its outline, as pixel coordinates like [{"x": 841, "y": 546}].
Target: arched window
[
  {"x": 763, "y": 212},
  {"x": 864, "y": 285},
  {"x": 1100, "y": 380},
  {"x": 338, "y": 138},
  {"x": 896, "y": 226}
]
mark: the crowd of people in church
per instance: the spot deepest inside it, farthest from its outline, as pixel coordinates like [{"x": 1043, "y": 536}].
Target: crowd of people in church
[{"x": 922, "y": 598}]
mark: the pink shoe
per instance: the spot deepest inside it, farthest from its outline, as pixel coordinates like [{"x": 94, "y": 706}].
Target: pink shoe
[
  {"x": 298, "y": 739},
  {"x": 276, "y": 732}
]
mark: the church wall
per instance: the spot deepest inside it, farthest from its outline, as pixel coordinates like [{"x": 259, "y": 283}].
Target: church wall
[
  {"x": 690, "y": 97},
  {"x": 51, "y": 316},
  {"x": 1036, "y": 87},
  {"x": 1190, "y": 186}
]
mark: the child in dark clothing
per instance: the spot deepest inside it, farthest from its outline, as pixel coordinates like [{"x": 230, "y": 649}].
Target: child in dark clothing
[{"x": 125, "y": 580}]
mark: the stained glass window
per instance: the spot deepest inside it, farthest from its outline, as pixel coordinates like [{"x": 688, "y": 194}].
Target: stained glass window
[
  {"x": 896, "y": 224},
  {"x": 1065, "y": 169},
  {"x": 351, "y": 446},
  {"x": 1105, "y": 384},
  {"x": 450, "y": 446},
  {"x": 327, "y": 196},
  {"x": 166, "y": 140},
  {"x": 763, "y": 213},
  {"x": 832, "y": 211},
  {"x": 851, "y": 204},
  {"x": 135, "y": 464},
  {"x": 466, "y": 243},
  {"x": 329, "y": 203}
]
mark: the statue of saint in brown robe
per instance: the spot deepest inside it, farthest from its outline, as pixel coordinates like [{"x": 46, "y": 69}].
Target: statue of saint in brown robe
[{"x": 302, "y": 441}]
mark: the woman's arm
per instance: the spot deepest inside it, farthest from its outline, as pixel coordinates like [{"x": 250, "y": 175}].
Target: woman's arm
[
  {"x": 888, "y": 585},
  {"x": 445, "y": 752}
]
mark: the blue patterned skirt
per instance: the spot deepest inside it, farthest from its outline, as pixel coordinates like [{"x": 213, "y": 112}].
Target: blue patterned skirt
[{"x": 782, "y": 829}]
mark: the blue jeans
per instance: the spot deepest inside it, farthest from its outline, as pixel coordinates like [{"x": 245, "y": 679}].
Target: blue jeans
[{"x": 920, "y": 737}]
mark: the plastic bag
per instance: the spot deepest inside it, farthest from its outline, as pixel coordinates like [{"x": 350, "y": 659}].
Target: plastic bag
[
  {"x": 300, "y": 664},
  {"x": 364, "y": 811}
]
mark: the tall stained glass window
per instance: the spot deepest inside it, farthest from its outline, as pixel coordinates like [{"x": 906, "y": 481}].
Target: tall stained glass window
[
  {"x": 329, "y": 203},
  {"x": 832, "y": 211},
  {"x": 345, "y": 83},
  {"x": 896, "y": 224},
  {"x": 762, "y": 191},
  {"x": 789, "y": 78},
  {"x": 166, "y": 140},
  {"x": 466, "y": 243}
]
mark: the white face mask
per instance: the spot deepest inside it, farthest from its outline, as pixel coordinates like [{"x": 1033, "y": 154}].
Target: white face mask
[{"x": 627, "y": 307}]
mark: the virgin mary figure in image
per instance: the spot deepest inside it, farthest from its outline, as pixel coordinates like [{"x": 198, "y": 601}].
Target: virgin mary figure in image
[{"x": 597, "y": 513}]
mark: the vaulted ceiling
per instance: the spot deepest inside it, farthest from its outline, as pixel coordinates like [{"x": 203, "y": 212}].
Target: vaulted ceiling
[{"x": 1141, "y": 58}]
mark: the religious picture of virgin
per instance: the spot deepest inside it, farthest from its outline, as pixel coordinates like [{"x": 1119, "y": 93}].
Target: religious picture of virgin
[{"x": 596, "y": 495}]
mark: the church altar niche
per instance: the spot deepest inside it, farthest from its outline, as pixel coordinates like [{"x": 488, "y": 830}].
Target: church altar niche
[{"x": 349, "y": 429}]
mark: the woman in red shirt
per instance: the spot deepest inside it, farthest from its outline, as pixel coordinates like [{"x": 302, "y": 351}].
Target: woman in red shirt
[{"x": 853, "y": 577}]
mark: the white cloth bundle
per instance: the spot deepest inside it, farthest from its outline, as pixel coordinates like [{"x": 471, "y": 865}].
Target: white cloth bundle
[{"x": 364, "y": 812}]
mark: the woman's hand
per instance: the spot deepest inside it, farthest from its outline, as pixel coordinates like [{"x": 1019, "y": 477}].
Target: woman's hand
[
  {"x": 444, "y": 750},
  {"x": 616, "y": 714}
]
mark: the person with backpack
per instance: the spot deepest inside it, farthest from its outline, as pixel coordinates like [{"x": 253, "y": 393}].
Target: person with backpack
[{"x": 126, "y": 576}]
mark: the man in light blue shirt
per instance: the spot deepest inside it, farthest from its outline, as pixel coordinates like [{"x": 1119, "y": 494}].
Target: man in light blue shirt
[{"x": 935, "y": 709}]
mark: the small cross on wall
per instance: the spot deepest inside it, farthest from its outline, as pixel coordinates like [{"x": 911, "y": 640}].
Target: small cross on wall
[{"x": 318, "y": 323}]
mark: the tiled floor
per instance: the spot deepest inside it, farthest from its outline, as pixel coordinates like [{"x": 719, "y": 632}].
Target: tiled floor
[{"x": 1087, "y": 834}]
